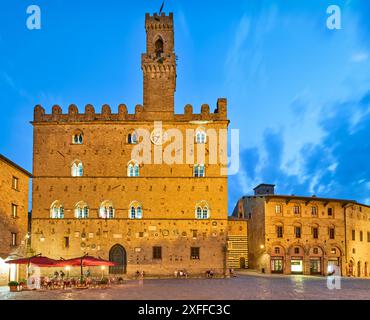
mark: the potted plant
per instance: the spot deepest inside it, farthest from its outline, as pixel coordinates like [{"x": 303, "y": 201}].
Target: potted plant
[
  {"x": 13, "y": 286},
  {"x": 23, "y": 284}
]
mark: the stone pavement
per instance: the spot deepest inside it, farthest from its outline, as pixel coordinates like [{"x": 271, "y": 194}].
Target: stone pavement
[{"x": 245, "y": 286}]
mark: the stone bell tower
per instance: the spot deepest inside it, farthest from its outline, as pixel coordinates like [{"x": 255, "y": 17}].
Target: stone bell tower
[{"x": 159, "y": 67}]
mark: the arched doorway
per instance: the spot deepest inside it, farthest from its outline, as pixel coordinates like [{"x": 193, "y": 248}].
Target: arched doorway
[
  {"x": 242, "y": 263},
  {"x": 118, "y": 254},
  {"x": 350, "y": 268}
]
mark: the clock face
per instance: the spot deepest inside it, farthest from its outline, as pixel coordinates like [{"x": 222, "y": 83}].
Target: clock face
[{"x": 158, "y": 137}]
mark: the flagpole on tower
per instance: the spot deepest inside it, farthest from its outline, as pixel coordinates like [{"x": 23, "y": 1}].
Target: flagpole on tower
[{"x": 161, "y": 9}]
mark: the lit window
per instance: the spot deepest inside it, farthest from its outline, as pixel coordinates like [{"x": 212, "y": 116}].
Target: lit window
[
  {"x": 106, "y": 210},
  {"x": 333, "y": 251},
  {"x": 14, "y": 210},
  {"x": 14, "y": 239},
  {"x": 57, "y": 210},
  {"x": 135, "y": 210},
  {"x": 278, "y": 208},
  {"x": 132, "y": 138},
  {"x": 200, "y": 137},
  {"x": 202, "y": 211},
  {"x": 133, "y": 169},
  {"x": 81, "y": 210},
  {"x": 77, "y": 138},
  {"x": 199, "y": 171},
  {"x": 15, "y": 183},
  {"x": 77, "y": 169}
]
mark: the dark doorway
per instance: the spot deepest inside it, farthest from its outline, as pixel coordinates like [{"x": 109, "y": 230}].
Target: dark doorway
[
  {"x": 118, "y": 254},
  {"x": 242, "y": 263}
]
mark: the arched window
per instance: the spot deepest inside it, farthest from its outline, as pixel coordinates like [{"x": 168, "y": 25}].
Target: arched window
[
  {"x": 81, "y": 210},
  {"x": 77, "y": 169},
  {"x": 199, "y": 171},
  {"x": 135, "y": 210},
  {"x": 202, "y": 211},
  {"x": 77, "y": 138},
  {"x": 200, "y": 136},
  {"x": 159, "y": 47},
  {"x": 106, "y": 210},
  {"x": 133, "y": 169},
  {"x": 132, "y": 138},
  {"x": 57, "y": 210}
]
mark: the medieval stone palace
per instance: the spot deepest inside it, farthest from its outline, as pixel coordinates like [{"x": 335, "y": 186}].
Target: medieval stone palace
[{"x": 90, "y": 195}]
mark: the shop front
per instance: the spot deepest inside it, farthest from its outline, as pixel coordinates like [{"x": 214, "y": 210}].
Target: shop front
[
  {"x": 277, "y": 265},
  {"x": 315, "y": 266},
  {"x": 296, "y": 265}
]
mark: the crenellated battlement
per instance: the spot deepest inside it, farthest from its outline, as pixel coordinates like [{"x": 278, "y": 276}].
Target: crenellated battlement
[
  {"x": 158, "y": 22},
  {"x": 90, "y": 115}
]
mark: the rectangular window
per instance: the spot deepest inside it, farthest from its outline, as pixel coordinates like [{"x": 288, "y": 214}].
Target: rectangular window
[
  {"x": 14, "y": 239},
  {"x": 353, "y": 235},
  {"x": 199, "y": 171},
  {"x": 296, "y": 209},
  {"x": 330, "y": 212},
  {"x": 195, "y": 233},
  {"x": 315, "y": 232},
  {"x": 66, "y": 242},
  {"x": 331, "y": 233},
  {"x": 157, "y": 253},
  {"x": 278, "y": 208},
  {"x": 14, "y": 210},
  {"x": 15, "y": 183},
  {"x": 194, "y": 253},
  {"x": 368, "y": 237},
  {"x": 361, "y": 236},
  {"x": 279, "y": 231},
  {"x": 297, "y": 231},
  {"x": 314, "y": 211}
]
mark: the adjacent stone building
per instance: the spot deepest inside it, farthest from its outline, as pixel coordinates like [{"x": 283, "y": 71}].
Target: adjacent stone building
[
  {"x": 14, "y": 185},
  {"x": 91, "y": 195},
  {"x": 305, "y": 235}
]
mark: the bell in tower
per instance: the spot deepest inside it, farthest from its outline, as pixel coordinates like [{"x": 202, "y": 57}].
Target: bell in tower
[{"x": 159, "y": 67}]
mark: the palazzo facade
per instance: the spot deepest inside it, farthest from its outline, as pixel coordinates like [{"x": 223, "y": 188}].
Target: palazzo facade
[{"x": 91, "y": 195}]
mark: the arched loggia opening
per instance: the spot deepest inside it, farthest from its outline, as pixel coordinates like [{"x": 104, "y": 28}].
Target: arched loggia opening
[{"x": 118, "y": 254}]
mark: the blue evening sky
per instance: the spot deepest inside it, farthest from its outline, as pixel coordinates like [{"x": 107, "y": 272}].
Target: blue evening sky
[{"x": 298, "y": 92}]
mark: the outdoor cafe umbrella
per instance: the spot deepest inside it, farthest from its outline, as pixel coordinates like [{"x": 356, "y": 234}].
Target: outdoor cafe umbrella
[
  {"x": 87, "y": 261},
  {"x": 37, "y": 260}
]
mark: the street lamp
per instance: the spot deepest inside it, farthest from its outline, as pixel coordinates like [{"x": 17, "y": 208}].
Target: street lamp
[
  {"x": 262, "y": 246},
  {"x": 68, "y": 268},
  {"x": 42, "y": 238},
  {"x": 102, "y": 271}
]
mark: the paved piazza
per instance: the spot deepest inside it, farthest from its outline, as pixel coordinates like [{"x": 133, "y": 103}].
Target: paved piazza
[{"x": 243, "y": 287}]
